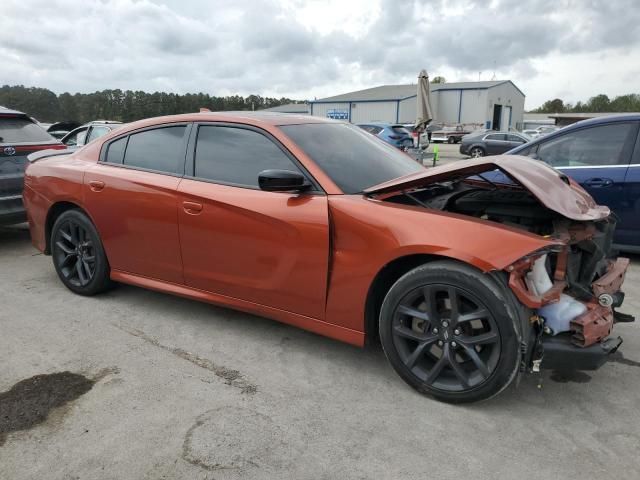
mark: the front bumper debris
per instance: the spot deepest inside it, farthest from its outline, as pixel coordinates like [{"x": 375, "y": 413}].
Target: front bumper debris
[{"x": 559, "y": 353}]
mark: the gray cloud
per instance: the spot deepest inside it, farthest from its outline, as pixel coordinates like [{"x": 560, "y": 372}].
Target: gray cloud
[{"x": 227, "y": 46}]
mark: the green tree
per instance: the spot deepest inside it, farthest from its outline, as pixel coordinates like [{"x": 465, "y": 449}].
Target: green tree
[{"x": 439, "y": 79}]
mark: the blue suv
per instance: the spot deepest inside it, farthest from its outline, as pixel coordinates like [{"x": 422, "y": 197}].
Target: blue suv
[
  {"x": 396, "y": 135},
  {"x": 603, "y": 155}
]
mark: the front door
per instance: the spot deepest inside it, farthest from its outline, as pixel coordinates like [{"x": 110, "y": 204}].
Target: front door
[
  {"x": 131, "y": 194},
  {"x": 269, "y": 248}
]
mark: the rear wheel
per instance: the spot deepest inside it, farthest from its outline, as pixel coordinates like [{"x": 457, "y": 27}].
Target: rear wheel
[
  {"x": 446, "y": 331},
  {"x": 476, "y": 152},
  {"x": 78, "y": 255},
  {"x": 451, "y": 140}
]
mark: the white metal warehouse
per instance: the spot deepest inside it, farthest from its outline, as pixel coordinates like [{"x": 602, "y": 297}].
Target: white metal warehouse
[{"x": 496, "y": 104}]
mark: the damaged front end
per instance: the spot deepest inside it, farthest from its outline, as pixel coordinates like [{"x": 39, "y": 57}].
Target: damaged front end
[
  {"x": 573, "y": 291},
  {"x": 571, "y": 288}
]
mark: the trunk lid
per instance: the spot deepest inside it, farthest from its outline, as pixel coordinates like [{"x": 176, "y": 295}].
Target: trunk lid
[{"x": 552, "y": 188}]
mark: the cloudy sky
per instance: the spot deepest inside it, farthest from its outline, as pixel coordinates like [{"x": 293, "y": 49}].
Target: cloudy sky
[{"x": 572, "y": 49}]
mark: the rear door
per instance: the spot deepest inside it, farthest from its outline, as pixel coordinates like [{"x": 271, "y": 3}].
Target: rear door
[
  {"x": 598, "y": 158},
  {"x": 269, "y": 248},
  {"x": 515, "y": 140},
  {"x": 131, "y": 194}
]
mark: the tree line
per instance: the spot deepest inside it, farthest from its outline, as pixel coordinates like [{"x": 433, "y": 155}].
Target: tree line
[
  {"x": 599, "y": 103},
  {"x": 125, "y": 106}
]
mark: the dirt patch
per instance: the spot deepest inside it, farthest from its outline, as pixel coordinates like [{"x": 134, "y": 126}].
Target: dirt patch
[
  {"x": 29, "y": 401},
  {"x": 230, "y": 376},
  {"x": 240, "y": 439}
]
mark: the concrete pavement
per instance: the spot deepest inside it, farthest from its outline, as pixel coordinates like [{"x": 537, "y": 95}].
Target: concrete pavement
[{"x": 188, "y": 390}]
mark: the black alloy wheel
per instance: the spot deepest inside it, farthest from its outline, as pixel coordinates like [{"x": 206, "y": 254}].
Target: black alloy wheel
[
  {"x": 78, "y": 255},
  {"x": 446, "y": 337},
  {"x": 450, "y": 331},
  {"x": 74, "y": 253}
]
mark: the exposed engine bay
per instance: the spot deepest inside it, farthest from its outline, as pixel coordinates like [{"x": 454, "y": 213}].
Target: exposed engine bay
[{"x": 574, "y": 287}]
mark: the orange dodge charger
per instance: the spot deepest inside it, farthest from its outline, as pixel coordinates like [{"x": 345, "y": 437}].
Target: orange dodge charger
[{"x": 469, "y": 274}]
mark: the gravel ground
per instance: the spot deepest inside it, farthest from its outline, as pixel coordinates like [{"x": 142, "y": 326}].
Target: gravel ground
[{"x": 180, "y": 389}]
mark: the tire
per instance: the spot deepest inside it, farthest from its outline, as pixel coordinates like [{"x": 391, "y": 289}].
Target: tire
[
  {"x": 477, "y": 152},
  {"x": 456, "y": 358},
  {"x": 78, "y": 255},
  {"x": 451, "y": 140}
]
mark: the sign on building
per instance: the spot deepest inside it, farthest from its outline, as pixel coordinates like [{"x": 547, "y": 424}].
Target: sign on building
[{"x": 338, "y": 114}]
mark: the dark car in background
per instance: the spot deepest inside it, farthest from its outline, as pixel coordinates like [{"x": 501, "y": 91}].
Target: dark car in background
[
  {"x": 89, "y": 131},
  {"x": 603, "y": 155},
  {"x": 489, "y": 142},
  {"x": 394, "y": 134},
  {"x": 20, "y": 135}
]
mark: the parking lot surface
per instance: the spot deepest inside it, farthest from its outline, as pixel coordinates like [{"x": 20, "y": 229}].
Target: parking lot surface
[{"x": 186, "y": 390}]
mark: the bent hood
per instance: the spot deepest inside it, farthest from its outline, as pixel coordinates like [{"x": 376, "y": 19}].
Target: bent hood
[{"x": 552, "y": 188}]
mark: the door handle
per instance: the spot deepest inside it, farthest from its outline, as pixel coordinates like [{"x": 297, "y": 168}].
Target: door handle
[
  {"x": 96, "y": 185},
  {"x": 192, "y": 208},
  {"x": 599, "y": 182}
]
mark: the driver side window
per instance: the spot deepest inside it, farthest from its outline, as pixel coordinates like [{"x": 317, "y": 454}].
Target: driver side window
[{"x": 236, "y": 156}]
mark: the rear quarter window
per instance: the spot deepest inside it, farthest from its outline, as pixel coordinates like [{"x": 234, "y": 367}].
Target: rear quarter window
[{"x": 22, "y": 130}]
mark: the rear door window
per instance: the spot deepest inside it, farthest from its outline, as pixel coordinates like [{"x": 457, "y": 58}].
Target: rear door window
[
  {"x": 597, "y": 146},
  {"x": 501, "y": 137},
  {"x": 22, "y": 130},
  {"x": 160, "y": 149}
]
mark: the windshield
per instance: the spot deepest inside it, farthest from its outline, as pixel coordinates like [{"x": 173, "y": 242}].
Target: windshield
[{"x": 352, "y": 158}]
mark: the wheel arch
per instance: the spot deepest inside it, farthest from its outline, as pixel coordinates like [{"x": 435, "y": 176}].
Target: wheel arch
[
  {"x": 385, "y": 278},
  {"x": 53, "y": 213}
]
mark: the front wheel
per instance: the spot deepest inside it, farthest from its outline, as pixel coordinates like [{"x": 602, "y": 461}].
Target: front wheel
[
  {"x": 446, "y": 331},
  {"x": 476, "y": 152},
  {"x": 78, "y": 255}
]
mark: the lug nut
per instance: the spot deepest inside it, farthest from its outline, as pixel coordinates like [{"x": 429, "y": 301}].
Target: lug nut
[
  {"x": 440, "y": 343},
  {"x": 454, "y": 344},
  {"x": 435, "y": 330},
  {"x": 456, "y": 331},
  {"x": 445, "y": 324}
]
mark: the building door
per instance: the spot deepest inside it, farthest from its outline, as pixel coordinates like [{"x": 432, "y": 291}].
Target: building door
[
  {"x": 506, "y": 118},
  {"x": 497, "y": 117}
]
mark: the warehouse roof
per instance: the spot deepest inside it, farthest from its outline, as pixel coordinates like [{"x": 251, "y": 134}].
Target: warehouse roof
[
  {"x": 289, "y": 108},
  {"x": 400, "y": 92}
]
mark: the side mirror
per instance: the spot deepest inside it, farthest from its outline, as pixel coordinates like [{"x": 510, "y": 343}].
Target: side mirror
[{"x": 282, "y": 181}]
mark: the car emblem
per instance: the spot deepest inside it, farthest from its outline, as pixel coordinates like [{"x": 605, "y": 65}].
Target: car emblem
[{"x": 9, "y": 151}]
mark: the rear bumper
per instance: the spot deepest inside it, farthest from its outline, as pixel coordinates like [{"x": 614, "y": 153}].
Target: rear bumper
[
  {"x": 559, "y": 353},
  {"x": 12, "y": 210}
]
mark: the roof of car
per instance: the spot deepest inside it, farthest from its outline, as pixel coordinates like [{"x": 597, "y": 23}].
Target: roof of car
[
  {"x": 251, "y": 118},
  {"x": 621, "y": 117}
]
